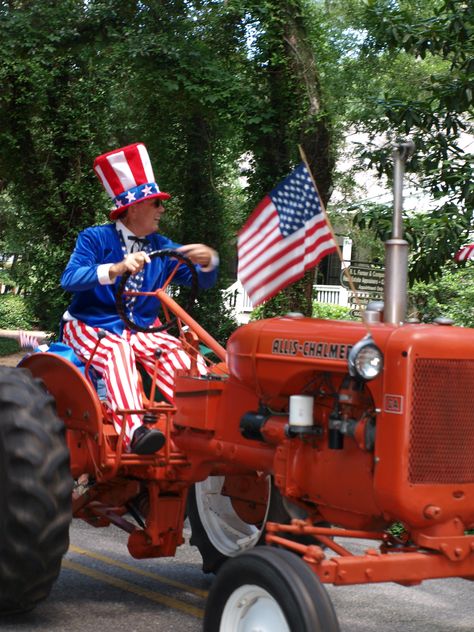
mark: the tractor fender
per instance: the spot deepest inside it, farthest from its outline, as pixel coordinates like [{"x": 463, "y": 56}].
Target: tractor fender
[{"x": 77, "y": 402}]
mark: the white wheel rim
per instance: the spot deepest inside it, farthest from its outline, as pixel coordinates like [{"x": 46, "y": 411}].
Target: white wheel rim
[
  {"x": 251, "y": 608},
  {"x": 228, "y": 533}
]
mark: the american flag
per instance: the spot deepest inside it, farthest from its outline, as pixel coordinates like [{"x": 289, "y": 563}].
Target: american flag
[
  {"x": 465, "y": 253},
  {"x": 286, "y": 235}
]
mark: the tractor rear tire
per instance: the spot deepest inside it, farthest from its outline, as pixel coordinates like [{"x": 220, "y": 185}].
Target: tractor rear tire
[
  {"x": 35, "y": 492},
  {"x": 219, "y": 532}
]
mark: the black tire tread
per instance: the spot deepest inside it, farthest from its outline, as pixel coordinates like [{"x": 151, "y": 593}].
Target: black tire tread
[
  {"x": 35, "y": 486},
  {"x": 286, "y": 577},
  {"x": 212, "y": 559}
]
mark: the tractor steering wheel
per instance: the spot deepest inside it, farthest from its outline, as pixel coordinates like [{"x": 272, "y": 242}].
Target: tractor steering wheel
[{"x": 122, "y": 293}]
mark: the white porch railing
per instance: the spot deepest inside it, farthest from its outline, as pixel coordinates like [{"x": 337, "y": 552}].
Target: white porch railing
[
  {"x": 334, "y": 294},
  {"x": 238, "y": 301}
]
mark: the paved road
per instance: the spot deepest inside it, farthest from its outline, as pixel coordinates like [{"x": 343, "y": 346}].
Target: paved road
[
  {"x": 102, "y": 589},
  {"x": 12, "y": 360}
]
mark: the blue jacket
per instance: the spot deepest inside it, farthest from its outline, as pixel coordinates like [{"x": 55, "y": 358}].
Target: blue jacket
[{"x": 93, "y": 303}]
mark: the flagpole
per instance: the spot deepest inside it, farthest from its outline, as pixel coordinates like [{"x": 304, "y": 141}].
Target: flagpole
[{"x": 323, "y": 209}]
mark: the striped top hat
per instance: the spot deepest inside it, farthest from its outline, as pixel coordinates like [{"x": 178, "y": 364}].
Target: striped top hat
[{"x": 127, "y": 176}]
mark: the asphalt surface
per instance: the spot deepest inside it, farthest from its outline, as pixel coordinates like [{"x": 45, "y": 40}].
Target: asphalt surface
[
  {"x": 101, "y": 588},
  {"x": 12, "y": 360}
]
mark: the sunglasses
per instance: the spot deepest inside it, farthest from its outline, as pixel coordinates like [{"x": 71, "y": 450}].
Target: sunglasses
[{"x": 157, "y": 202}]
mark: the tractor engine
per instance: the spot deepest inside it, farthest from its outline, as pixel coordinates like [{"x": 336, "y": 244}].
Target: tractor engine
[{"x": 360, "y": 446}]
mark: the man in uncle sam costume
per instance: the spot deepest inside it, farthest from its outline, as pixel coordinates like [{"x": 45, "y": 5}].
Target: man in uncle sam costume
[{"x": 101, "y": 256}]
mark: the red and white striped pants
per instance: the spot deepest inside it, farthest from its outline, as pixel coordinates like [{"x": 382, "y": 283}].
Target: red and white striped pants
[{"x": 115, "y": 360}]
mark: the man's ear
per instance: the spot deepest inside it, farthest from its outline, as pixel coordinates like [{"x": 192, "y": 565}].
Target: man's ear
[
  {"x": 123, "y": 215},
  {"x": 130, "y": 211}
]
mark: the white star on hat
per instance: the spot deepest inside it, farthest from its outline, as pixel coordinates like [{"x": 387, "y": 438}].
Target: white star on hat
[{"x": 130, "y": 197}]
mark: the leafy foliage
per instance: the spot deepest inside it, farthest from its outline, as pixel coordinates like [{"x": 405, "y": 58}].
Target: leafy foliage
[
  {"x": 205, "y": 82},
  {"x": 76, "y": 97},
  {"x": 218, "y": 318},
  {"x": 14, "y": 314},
  {"x": 331, "y": 312},
  {"x": 320, "y": 310},
  {"x": 8, "y": 347},
  {"x": 451, "y": 295},
  {"x": 285, "y": 108},
  {"x": 285, "y": 302},
  {"x": 54, "y": 110},
  {"x": 434, "y": 114},
  {"x": 424, "y": 233}
]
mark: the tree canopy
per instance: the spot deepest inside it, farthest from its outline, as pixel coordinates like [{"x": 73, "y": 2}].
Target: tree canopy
[
  {"x": 222, "y": 92},
  {"x": 437, "y": 41}
]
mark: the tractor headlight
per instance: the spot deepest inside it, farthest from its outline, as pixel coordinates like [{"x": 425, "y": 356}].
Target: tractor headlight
[{"x": 365, "y": 359}]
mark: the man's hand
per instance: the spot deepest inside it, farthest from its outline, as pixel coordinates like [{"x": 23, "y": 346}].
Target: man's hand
[
  {"x": 132, "y": 263},
  {"x": 200, "y": 254}
]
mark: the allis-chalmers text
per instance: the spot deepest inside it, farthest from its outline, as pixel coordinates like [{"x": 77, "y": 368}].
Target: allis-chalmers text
[{"x": 310, "y": 349}]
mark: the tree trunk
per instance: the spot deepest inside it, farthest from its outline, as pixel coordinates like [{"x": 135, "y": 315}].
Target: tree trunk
[{"x": 295, "y": 98}]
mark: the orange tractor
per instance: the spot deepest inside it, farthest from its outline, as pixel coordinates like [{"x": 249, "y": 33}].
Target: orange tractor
[{"x": 305, "y": 435}]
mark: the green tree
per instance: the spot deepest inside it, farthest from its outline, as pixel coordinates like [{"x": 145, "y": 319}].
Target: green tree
[
  {"x": 56, "y": 112},
  {"x": 439, "y": 37},
  {"x": 71, "y": 72},
  {"x": 451, "y": 295},
  {"x": 284, "y": 109},
  {"x": 188, "y": 79},
  {"x": 204, "y": 82}
]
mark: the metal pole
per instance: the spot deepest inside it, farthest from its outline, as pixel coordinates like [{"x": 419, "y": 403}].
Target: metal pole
[{"x": 396, "y": 248}]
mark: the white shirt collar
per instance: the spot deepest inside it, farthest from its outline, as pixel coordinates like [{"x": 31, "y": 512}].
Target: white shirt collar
[{"x": 126, "y": 233}]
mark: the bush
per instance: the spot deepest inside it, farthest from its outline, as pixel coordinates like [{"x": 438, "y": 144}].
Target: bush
[
  {"x": 291, "y": 299},
  {"x": 14, "y": 314},
  {"x": 451, "y": 295},
  {"x": 320, "y": 310},
  {"x": 7, "y": 347},
  {"x": 331, "y": 312}
]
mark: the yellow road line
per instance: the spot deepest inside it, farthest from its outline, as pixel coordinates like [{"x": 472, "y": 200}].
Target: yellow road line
[
  {"x": 170, "y": 602},
  {"x": 138, "y": 571}
]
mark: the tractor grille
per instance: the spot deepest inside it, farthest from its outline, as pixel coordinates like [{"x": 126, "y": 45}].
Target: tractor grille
[{"x": 442, "y": 422}]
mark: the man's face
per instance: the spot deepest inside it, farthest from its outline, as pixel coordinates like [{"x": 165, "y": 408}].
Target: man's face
[{"x": 144, "y": 217}]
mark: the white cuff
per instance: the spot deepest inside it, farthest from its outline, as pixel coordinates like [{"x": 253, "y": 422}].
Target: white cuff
[
  {"x": 213, "y": 263},
  {"x": 103, "y": 273}
]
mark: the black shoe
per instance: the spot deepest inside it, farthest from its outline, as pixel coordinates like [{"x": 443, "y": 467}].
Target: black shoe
[{"x": 146, "y": 441}]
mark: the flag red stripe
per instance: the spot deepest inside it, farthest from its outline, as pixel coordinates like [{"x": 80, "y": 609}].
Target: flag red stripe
[
  {"x": 268, "y": 221},
  {"x": 258, "y": 261},
  {"x": 318, "y": 250},
  {"x": 273, "y": 249},
  {"x": 267, "y": 201},
  {"x": 261, "y": 244},
  {"x": 259, "y": 297},
  {"x": 278, "y": 255},
  {"x": 465, "y": 253}
]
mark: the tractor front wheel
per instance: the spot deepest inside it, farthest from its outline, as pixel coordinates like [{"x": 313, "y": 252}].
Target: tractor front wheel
[
  {"x": 270, "y": 590},
  {"x": 35, "y": 492}
]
